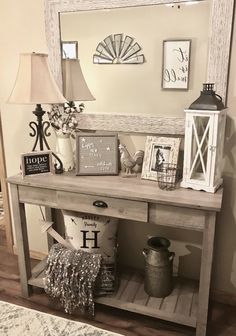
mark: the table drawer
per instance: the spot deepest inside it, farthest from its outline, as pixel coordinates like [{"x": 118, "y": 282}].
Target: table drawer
[
  {"x": 169, "y": 215},
  {"x": 39, "y": 196},
  {"x": 107, "y": 206}
]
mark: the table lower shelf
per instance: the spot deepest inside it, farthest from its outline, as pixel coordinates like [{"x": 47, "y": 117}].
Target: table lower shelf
[{"x": 179, "y": 307}]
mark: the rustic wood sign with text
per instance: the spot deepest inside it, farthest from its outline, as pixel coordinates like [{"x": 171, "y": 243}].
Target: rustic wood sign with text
[
  {"x": 36, "y": 163},
  {"x": 96, "y": 154}
]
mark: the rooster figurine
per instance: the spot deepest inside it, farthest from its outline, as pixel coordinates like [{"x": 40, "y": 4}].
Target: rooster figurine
[{"x": 131, "y": 164}]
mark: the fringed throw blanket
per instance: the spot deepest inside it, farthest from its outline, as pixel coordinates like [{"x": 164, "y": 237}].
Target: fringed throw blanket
[{"x": 70, "y": 276}]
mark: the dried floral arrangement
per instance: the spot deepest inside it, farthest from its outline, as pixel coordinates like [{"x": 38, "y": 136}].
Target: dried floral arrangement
[{"x": 63, "y": 118}]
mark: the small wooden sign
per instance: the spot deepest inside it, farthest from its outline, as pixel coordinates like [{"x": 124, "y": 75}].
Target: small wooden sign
[
  {"x": 96, "y": 154},
  {"x": 36, "y": 163}
]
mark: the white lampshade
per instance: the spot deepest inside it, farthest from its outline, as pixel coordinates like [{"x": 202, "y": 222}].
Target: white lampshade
[
  {"x": 34, "y": 82},
  {"x": 74, "y": 85}
]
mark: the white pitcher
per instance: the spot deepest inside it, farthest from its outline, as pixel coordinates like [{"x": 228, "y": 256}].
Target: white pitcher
[{"x": 64, "y": 151}]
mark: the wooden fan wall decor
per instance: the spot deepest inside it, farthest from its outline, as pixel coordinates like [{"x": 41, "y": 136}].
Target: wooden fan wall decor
[{"x": 117, "y": 49}]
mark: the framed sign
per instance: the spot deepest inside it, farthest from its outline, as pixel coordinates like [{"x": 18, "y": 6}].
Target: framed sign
[
  {"x": 69, "y": 49},
  {"x": 159, "y": 150},
  {"x": 36, "y": 163},
  {"x": 176, "y": 60},
  {"x": 96, "y": 154}
]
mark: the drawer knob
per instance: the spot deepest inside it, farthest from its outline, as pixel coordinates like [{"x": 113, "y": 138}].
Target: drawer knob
[{"x": 100, "y": 204}]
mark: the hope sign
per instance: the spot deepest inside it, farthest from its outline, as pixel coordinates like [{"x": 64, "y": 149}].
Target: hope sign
[
  {"x": 37, "y": 163},
  {"x": 36, "y": 159}
]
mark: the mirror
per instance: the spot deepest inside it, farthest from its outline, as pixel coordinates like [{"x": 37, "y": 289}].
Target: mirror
[
  {"x": 137, "y": 88},
  {"x": 218, "y": 16}
]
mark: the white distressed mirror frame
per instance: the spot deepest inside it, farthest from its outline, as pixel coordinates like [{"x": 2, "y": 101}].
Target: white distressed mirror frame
[{"x": 217, "y": 71}]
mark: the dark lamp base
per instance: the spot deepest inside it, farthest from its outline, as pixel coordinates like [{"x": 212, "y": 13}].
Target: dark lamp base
[{"x": 40, "y": 132}]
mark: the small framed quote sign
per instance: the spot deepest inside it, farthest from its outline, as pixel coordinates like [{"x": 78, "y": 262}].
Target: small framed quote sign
[
  {"x": 96, "y": 154},
  {"x": 36, "y": 163},
  {"x": 176, "y": 60},
  {"x": 69, "y": 49}
]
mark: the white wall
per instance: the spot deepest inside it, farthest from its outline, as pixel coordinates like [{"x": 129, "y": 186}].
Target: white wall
[{"x": 22, "y": 30}]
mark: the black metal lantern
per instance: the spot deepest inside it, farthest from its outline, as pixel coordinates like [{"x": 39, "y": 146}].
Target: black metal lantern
[{"x": 208, "y": 99}]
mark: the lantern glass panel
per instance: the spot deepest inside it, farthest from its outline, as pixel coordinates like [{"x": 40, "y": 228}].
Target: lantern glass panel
[
  {"x": 199, "y": 150},
  {"x": 220, "y": 146}
]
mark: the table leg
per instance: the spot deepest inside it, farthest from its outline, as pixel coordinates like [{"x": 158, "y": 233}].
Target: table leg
[
  {"x": 50, "y": 216},
  {"x": 18, "y": 210},
  {"x": 205, "y": 275}
]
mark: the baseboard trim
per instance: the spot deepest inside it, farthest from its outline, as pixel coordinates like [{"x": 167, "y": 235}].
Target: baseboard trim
[{"x": 33, "y": 254}]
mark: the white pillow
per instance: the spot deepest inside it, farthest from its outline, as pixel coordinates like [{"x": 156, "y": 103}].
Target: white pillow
[{"x": 93, "y": 233}]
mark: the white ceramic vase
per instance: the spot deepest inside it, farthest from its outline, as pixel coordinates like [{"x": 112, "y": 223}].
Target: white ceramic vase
[{"x": 64, "y": 151}]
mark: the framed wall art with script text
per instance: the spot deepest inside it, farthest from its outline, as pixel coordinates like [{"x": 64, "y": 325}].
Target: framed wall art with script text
[
  {"x": 96, "y": 154},
  {"x": 176, "y": 61}
]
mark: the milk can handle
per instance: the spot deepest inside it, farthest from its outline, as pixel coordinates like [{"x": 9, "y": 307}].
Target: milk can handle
[
  {"x": 145, "y": 252},
  {"x": 171, "y": 256}
]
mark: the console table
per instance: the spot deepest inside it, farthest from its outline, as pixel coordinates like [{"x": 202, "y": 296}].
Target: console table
[{"x": 133, "y": 199}]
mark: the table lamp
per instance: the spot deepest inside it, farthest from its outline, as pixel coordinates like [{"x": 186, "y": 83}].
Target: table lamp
[
  {"x": 35, "y": 85},
  {"x": 74, "y": 84}
]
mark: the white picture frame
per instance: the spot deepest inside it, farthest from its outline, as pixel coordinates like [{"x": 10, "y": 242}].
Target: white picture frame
[
  {"x": 168, "y": 149},
  {"x": 176, "y": 64}
]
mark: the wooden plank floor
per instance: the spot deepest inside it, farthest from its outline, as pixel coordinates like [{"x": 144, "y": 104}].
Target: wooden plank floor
[{"x": 223, "y": 322}]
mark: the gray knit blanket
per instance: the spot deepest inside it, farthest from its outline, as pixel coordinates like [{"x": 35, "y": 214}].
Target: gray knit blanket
[{"x": 70, "y": 276}]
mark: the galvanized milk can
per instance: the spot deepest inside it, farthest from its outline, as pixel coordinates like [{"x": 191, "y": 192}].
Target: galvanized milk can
[{"x": 158, "y": 280}]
